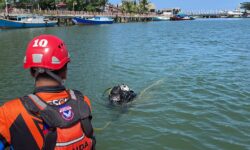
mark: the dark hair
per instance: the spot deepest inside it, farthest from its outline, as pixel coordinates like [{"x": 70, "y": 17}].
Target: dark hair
[{"x": 45, "y": 75}]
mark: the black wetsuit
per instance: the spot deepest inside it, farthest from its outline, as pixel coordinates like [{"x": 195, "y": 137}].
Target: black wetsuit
[{"x": 117, "y": 95}]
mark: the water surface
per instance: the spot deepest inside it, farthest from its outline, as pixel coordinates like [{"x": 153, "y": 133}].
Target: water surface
[{"x": 192, "y": 78}]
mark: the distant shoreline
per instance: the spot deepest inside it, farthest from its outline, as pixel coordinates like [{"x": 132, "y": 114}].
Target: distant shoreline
[{"x": 65, "y": 17}]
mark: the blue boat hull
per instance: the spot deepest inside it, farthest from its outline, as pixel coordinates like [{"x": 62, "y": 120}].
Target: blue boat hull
[
  {"x": 15, "y": 24},
  {"x": 86, "y": 21}
]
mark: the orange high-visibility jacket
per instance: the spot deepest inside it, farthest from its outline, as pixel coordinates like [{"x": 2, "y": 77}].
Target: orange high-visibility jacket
[{"x": 21, "y": 129}]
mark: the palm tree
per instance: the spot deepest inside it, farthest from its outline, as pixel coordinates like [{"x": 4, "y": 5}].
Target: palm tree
[
  {"x": 129, "y": 6},
  {"x": 126, "y": 5},
  {"x": 143, "y": 5}
]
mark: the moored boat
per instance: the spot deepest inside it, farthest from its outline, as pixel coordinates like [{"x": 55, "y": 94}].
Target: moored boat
[
  {"x": 26, "y": 22},
  {"x": 161, "y": 18},
  {"x": 236, "y": 13},
  {"x": 180, "y": 17},
  {"x": 93, "y": 20}
]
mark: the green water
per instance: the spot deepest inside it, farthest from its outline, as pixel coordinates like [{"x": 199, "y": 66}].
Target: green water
[{"x": 192, "y": 78}]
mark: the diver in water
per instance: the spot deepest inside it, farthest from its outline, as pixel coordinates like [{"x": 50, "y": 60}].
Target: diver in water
[{"x": 121, "y": 94}]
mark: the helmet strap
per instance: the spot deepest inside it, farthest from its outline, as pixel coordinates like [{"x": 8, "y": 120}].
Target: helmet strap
[
  {"x": 50, "y": 73},
  {"x": 54, "y": 76},
  {"x": 38, "y": 71}
]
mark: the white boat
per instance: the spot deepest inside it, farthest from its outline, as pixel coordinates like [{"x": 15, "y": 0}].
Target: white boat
[
  {"x": 235, "y": 13},
  {"x": 161, "y": 18}
]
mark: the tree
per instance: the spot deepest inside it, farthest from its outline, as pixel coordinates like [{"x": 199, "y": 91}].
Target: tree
[
  {"x": 23, "y": 4},
  {"x": 102, "y": 3},
  {"x": 2, "y": 4},
  {"x": 47, "y": 4},
  {"x": 143, "y": 6},
  {"x": 129, "y": 6},
  {"x": 94, "y": 5},
  {"x": 245, "y": 5},
  {"x": 77, "y": 5}
]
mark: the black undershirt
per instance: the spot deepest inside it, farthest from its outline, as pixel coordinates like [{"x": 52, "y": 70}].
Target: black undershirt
[{"x": 50, "y": 89}]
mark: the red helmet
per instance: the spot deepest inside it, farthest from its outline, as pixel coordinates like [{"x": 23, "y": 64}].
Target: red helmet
[{"x": 46, "y": 51}]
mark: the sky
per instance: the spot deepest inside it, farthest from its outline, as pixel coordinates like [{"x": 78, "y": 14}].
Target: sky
[{"x": 195, "y": 5}]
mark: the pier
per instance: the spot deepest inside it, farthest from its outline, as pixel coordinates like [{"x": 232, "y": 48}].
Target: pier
[
  {"x": 211, "y": 14},
  {"x": 64, "y": 17}
]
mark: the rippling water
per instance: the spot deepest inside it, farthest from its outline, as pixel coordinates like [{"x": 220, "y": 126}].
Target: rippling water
[{"x": 192, "y": 78}]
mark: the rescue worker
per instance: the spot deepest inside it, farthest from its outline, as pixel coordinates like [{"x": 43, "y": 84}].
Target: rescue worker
[{"x": 52, "y": 117}]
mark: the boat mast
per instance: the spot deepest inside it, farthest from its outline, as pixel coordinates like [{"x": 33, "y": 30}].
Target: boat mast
[{"x": 6, "y": 7}]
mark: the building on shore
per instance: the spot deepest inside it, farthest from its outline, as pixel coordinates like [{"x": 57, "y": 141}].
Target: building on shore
[
  {"x": 151, "y": 7},
  {"x": 169, "y": 11},
  {"x": 112, "y": 8}
]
